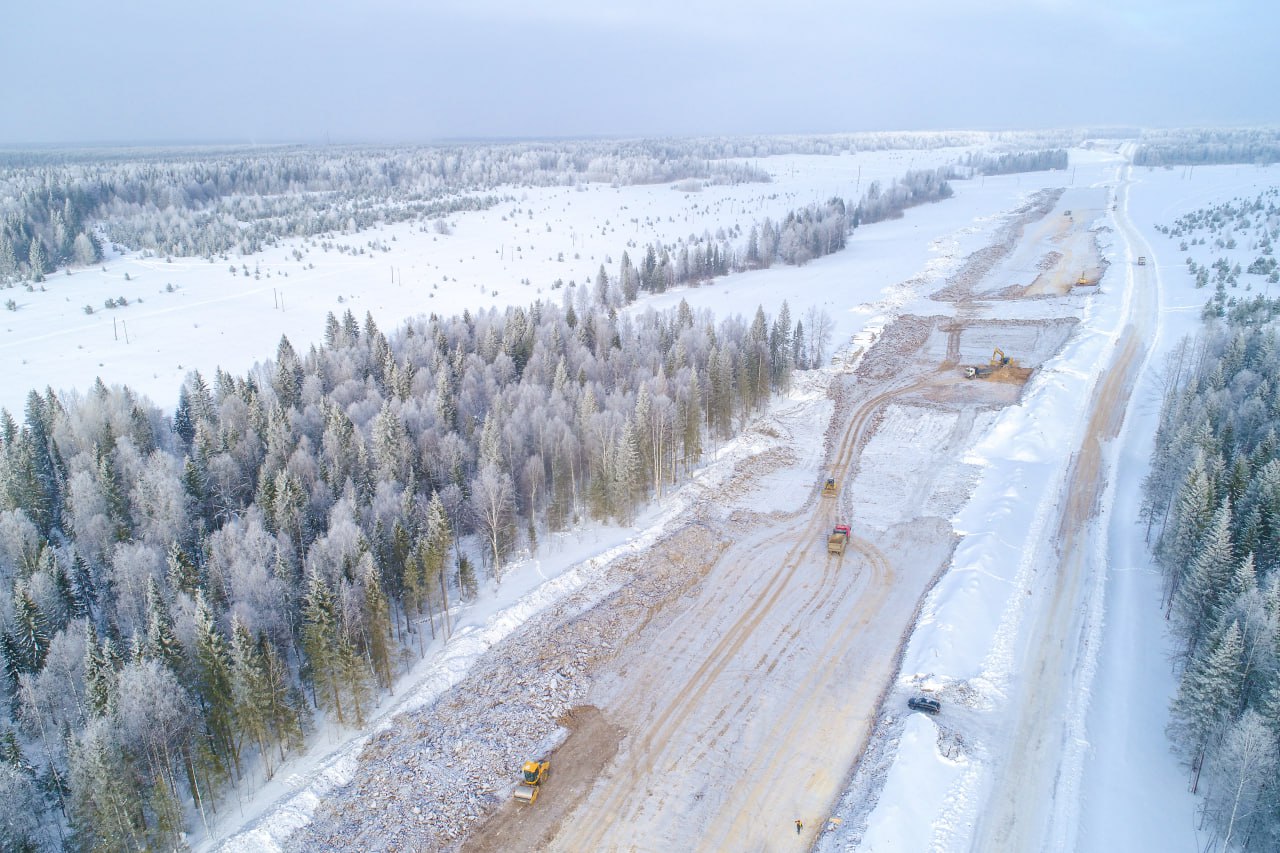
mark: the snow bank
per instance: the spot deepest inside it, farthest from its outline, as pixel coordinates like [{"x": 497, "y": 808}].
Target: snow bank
[
  {"x": 966, "y": 643},
  {"x": 922, "y": 785}
]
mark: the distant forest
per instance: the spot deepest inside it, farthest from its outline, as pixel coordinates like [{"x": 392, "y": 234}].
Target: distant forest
[
  {"x": 58, "y": 209},
  {"x": 1257, "y": 146},
  {"x": 207, "y": 204},
  {"x": 1013, "y": 162}
]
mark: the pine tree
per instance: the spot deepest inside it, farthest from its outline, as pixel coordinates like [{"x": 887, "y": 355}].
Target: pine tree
[
  {"x": 99, "y": 675},
  {"x": 287, "y": 381},
  {"x": 1201, "y": 592},
  {"x": 692, "y": 419},
  {"x": 105, "y": 801},
  {"x": 249, "y": 691},
  {"x": 439, "y": 539},
  {"x": 166, "y": 827},
  {"x": 37, "y": 259},
  {"x": 182, "y": 424},
  {"x": 283, "y": 706},
  {"x": 181, "y": 574},
  {"x": 30, "y": 631},
  {"x": 626, "y": 474}
]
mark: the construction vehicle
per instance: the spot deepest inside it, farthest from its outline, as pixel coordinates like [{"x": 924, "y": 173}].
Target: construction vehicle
[
  {"x": 998, "y": 360},
  {"x": 829, "y": 488},
  {"x": 838, "y": 539},
  {"x": 1083, "y": 281},
  {"x": 533, "y": 774},
  {"x": 1142, "y": 260}
]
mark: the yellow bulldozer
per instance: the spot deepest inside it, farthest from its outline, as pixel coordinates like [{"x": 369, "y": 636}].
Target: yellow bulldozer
[
  {"x": 533, "y": 774},
  {"x": 829, "y": 488}
]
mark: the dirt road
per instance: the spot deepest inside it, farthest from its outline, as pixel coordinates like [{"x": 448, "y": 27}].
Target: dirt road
[{"x": 1021, "y": 807}]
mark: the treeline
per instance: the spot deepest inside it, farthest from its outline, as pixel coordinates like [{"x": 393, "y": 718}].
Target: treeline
[
  {"x": 59, "y": 208},
  {"x": 1195, "y": 147},
  {"x": 178, "y": 595},
  {"x": 849, "y": 143},
  {"x": 811, "y": 232},
  {"x": 914, "y": 188},
  {"x": 1212, "y": 497},
  {"x": 1015, "y": 161},
  {"x": 201, "y": 203}
]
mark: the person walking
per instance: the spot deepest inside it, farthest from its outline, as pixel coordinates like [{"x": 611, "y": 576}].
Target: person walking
[{"x": 799, "y": 825}]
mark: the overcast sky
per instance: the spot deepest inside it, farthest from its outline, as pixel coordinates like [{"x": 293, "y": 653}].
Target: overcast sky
[{"x": 85, "y": 71}]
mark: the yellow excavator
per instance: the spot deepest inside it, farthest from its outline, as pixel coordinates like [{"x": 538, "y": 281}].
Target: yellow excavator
[
  {"x": 533, "y": 774},
  {"x": 998, "y": 360}
]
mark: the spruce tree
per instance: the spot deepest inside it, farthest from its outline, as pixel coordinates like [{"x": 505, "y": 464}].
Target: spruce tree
[
  {"x": 214, "y": 687},
  {"x": 161, "y": 643},
  {"x": 320, "y": 640},
  {"x": 1208, "y": 696},
  {"x": 249, "y": 691}
]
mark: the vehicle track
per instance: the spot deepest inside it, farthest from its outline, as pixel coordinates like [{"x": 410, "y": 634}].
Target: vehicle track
[
  {"x": 1022, "y": 806},
  {"x": 652, "y": 754}
]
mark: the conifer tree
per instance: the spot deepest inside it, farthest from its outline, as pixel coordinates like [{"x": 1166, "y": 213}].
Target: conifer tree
[
  {"x": 320, "y": 640},
  {"x": 99, "y": 675},
  {"x": 377, "y": 613},
  {"x": 1208, "y": 696},
  {"x": 214, "y": 687},
  {"x": 161, "y": 643},
  {"x": 249, "y": 692},
  {"x": 1201, "y": 592},
  {"x": 439, "y": 539}
]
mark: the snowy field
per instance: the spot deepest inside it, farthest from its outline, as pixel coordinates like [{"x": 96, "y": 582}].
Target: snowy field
[{"x": 191, "y": 314}]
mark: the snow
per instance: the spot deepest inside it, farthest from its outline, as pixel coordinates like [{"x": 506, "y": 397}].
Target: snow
[
  {"x": 1120, "y": 787},
  {"x": 886, "y": 267},
  {"x": 918, "y": 788},
  {"x": 191, "y": 314}
]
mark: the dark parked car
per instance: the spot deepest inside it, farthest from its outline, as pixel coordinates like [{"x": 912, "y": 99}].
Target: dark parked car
[{"x": 923, "y": 703}]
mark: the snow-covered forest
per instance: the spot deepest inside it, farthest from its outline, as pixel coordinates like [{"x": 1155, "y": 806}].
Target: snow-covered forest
[
  {"x": 58, "y": 208},
  {"x": 1213, "y": 506},
  {"x": 179, "y": 593},
  {"x": 1016, "y": 161},
  {"x": 1184, "y": 147}
]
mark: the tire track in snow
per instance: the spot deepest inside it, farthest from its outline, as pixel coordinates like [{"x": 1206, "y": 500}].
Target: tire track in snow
[{"x": 641, "y": 759}]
